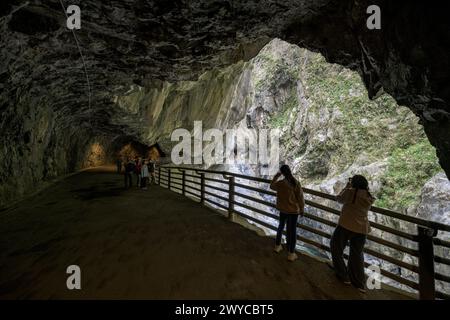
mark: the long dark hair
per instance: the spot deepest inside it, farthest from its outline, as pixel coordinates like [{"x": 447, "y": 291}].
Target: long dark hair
[
  {"x": 286, "y": 171},
  {"x": 359, "y": 182}
]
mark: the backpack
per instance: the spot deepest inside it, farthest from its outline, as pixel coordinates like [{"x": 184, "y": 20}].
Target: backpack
[{"x": 129, "y": 167}]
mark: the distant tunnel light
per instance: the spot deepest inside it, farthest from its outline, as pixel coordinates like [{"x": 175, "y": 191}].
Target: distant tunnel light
[{"x": 96, "y": 155}]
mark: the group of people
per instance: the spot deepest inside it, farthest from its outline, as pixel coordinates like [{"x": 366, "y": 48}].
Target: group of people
[
  {"x": 352, "y": 229},
  {"x": 142, "y": 169}
]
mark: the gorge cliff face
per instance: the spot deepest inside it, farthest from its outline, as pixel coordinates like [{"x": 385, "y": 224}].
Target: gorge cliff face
[{"x": 328, "y": 126}]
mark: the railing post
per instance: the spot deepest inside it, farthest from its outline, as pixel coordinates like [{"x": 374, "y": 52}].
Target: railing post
[
  {"x": 168, "y": 179},
  {"x": 231, "y": 198},
  {"x": 426, "y": 263},
  {"x": 202, "y": 188},
  {"x": 159, "y": 175},
  {"x": 183, "y": 183}
]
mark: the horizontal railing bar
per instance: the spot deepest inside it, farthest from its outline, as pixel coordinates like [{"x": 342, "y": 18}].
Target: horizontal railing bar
[
  {"x": 216, "y": 180},
  {"x": 192, "y": 176},
  {"x": 367, "y": 250},
  {"x": 442, "y": 295},
  {"x": 176, "y": 172},
  {"x": 319, "y": 219},
  {"x": 442, "y": 277},
  {"x": 442, "y": 260},
  {"x": 175, "y": 187},
  {"x": 194, "y": 194},
  {"x": 322, "y": 207},
  {"x": 216, "y": 188},
  {"x": 393, "y": 214},
  {"x": 392, "y": 245},
  {"x": 175, "y": 183},
  {"x": 216, "y": 196},
  {"x": 247, "y": 177},
  {"x": 314, "y": 243},
  {"x": 313, "y": 230},
  {"x": 264, "y": 213},
  {"x": 216, "y": 203},
  {"x": 399, "y": 263},
  {"x": 396, "y": 277},
  {"x": 191, "y": 181},
  {"x": 193, "y": 188},
  {"x": 440, "y": 242},
  {"x": 404, "y": 217},
  {"x": 370, "y": 237},
  {"x": 265, "y": 224},
  {"x": 373, "y": 224},
  {"x": 266, "y": 203},
  {"x": 326, "y": 235},
  {"x": 270, "y": 193},
  {"x": 411, "y": 237}
]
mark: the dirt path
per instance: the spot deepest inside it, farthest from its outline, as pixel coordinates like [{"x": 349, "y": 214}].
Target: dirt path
[{"x": 150, "y": 244}]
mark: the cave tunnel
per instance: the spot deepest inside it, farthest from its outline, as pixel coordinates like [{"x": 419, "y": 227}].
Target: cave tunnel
[{"x": 346, "y": 87}]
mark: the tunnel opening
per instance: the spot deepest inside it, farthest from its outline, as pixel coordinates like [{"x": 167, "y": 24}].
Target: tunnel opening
[{"x": 331, "y": 128}]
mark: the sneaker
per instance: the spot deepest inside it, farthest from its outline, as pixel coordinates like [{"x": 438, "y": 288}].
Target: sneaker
[
  {"x": 292, "y": 256},
  {"x": 278, "y": 248}
]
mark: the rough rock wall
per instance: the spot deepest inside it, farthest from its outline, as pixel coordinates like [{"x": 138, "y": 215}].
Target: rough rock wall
[
  {"x": 219, "y": 99},
  {"x": 38, "y": 145},
  {"x": 126, "y": 42}
]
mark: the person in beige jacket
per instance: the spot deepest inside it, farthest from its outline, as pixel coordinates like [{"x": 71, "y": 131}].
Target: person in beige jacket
[
  {"x": 291, "y": 204},
  {"x": 353, "y": 227}
]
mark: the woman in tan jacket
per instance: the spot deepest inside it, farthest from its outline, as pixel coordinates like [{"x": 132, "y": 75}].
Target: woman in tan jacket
[
  {"x": 291, "y": 203},
  {"x": 353, "y": 227}
]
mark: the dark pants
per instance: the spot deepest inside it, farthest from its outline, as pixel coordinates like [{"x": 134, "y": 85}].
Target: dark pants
[
  {"x": 128, "y": 180},
  {"x": 138, "y": 179},
  {"x": 144, "y": 182},
  {"x": 152, "y": 177},
  {"x": 291, "y": 230},
  {"x": 119, "y": 167},
  {"x": 354, "y": 272}
]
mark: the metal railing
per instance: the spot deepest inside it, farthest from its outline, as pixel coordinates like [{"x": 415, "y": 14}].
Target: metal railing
[{"x": 417, "y": 246}]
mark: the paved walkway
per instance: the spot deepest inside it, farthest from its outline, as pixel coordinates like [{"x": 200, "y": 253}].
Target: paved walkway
[{"x": 152, "y": 244}]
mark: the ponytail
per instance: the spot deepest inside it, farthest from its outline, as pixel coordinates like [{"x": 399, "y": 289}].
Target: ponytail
[
  {"x": 293, "y": 182},
  {"x": 286, "y": 171}
]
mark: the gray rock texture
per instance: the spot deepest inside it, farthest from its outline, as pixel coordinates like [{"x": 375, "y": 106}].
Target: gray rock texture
[{"x": 44, "y": 95}]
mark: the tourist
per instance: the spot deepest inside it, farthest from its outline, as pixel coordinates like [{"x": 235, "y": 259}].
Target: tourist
[
  {"x": 291, "y": 204},
  {"x": 137, "y": 171},
  {"x": 129, "y": 169},
  {"x": 144, "y": 175},
  {"x": 119, "y": 165},
  {"x": 151, "y": 168},
  {"x": 353, "y": 227}
]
